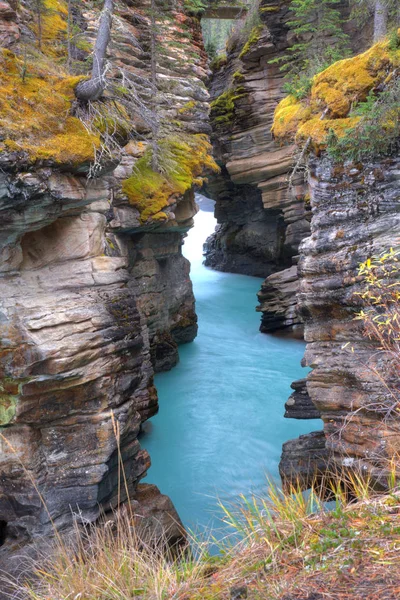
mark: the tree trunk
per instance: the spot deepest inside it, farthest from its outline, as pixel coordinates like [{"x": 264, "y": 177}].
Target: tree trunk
[
  {"x": 380, "y": 20},
  {"x": 69, "y": 36},
  {"x": 94, "y": 87},
  {"x": 39, "y": 17},
  {"x": 153, "y": 50}
]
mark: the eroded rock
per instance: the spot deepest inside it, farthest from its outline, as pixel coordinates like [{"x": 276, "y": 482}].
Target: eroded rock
[{"x": 94, "y": 299}]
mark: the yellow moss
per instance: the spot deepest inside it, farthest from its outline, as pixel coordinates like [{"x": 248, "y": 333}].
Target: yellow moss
[
  {"x": 57, "y": 5},
  {"x": 151, "y": 192},
  {"x": 35, "y": 114},
  {"x": 72, "y": 146},
  {"x": 160, "y": 216},
  {"x": 338, "y": 88},
  {"x": 288, "y": 114},
  {"x": 318, "y": 130},
  {"x": 53, "y": 27},
  {"x": 350, "y": 80}
]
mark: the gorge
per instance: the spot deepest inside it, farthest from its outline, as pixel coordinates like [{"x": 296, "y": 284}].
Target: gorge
[
  {"x": 205, "y": 445},
  {"x": 98, "y": 312}
]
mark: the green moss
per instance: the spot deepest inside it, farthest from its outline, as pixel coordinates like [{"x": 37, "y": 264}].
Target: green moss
[
  {"x": 218, "y": 62},
  {"x": 182, "y": 162},
  {"x": 254, "y": 36},
  {"x": 238, "y": 76},
  {"x": 223, "y": 108},
  {"x": 8, "y": 408},
  {"x": 187, "y": 107}
]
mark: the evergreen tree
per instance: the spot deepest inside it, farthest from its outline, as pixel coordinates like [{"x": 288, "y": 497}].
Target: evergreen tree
[{"x": 319, "y": 41}]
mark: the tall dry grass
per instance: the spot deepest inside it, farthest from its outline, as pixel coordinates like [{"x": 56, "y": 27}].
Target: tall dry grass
[{"x": 108, "y": 561}]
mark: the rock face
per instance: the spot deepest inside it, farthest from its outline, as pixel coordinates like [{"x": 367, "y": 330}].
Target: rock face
[
  {"x": 299, "y": 405},
  {"x": 261, "y": 222},
  {"x": 278, "y": 302},
  {"x": 303, "y": 460},
  {"x": 260, "y": 225},
  {"x": 156, "y": 519},
  {"x": 265, "y": 230},
  {"x": 356, "y": 214},
  {"x": 94, "y": 299}
]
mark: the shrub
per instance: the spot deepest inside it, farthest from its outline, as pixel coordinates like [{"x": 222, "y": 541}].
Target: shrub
[{"x": 381, "y": 319}]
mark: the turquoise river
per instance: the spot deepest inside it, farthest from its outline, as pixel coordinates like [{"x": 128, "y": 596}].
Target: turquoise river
[{"x": 220, "y": 427}]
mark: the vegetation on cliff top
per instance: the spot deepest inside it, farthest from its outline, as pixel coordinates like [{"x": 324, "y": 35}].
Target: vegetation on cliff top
[
  {"x": 37, "y": 95},
  {"x": 334, "y": 105},
  {"x": 319, "y": 41},
  {"x": 35, "y": 112},
  {"x": 41, "y": 119},
  {"x": 286, "y": 546},
  {"x": 181, "y": 163}
]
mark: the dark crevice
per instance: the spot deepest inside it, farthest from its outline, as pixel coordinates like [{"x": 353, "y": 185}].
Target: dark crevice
[{"x": 3, "y": 532}]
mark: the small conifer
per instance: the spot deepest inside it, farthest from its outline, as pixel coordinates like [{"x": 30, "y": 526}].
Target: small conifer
[{"x": 319, "y": 41}]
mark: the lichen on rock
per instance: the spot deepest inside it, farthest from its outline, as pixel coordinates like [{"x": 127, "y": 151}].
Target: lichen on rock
[{"x": 333, "y": 95}]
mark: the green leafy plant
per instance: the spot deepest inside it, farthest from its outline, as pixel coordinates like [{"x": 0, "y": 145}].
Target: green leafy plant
[{"x": 195, "y": 7}]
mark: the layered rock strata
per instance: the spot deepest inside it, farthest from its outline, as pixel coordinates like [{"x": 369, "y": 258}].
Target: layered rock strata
[
  {"x": 299, "y": 404},
  {"x": 95, "y": 297},
  {"x": 356, "y": 214},
  {"x": 304, "y": 461},
  {"x": 278, "y": 302},
  {"x": 260, "y": 224},
  {"x": 261, "y": 221}
]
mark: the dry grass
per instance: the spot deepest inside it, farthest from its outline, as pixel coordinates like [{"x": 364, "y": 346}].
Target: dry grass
[{"x": 287, "y": 547}]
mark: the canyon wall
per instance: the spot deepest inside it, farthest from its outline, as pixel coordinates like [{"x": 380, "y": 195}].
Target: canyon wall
[
  {"x": 261, "y": 222},
  {"x": 96, "y": 294},
  {"x": 260, "y": 226},
  {"x": 356, "y": 215},
  {"x": 308, "y": 240}
]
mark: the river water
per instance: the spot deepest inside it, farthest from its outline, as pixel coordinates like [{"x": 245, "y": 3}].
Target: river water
[{"x": 220, "y": 427}]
